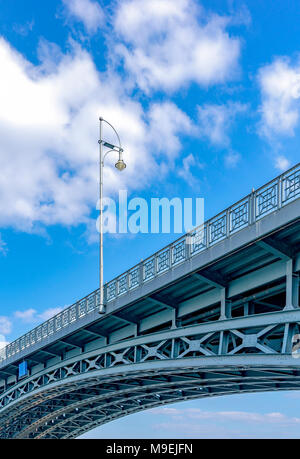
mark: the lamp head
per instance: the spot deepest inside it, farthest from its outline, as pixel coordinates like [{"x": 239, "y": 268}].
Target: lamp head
[{"x": 120, "y": 165}]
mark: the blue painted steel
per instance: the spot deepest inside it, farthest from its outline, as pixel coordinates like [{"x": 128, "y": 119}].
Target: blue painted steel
[
  {"x": 214, "y": 313},
  {"x": 254, "y": 207}
]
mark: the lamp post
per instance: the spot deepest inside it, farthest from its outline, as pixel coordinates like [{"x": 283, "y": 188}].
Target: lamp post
[{"x": 120, "y": 165}]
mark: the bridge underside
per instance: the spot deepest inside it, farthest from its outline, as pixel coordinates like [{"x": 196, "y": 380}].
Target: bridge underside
[{"x": 70, "y": 409}]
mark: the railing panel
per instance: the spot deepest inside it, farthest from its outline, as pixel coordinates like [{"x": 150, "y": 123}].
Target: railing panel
[
  {"x": 32, "y": 339},
  {"x": 22, "y": 342},
  {"x": 148, "y": 269},
  {"x": 217, "y": 228},
  {"x": 178, "y": 251},
  {"x": 134, "y": 277},
  {"x": 91, "y": 303},
  {"x": 51, "y": 326},
  {"x": 81, "y": 308},
  {"x": 39, "y": 332},
  {"x": 163, "y": 261},
  {"x": 122, "y": 284},
  {"x": 266, "y": 199},
  {"x": 290, "y": 186},
  {"x": 198, "y": 240},
  {"x": 239, "y": 216},
  {"x": 3, "y": 354},
  {"x": 111, "y": 290},
  {"x": 58, "y": 321}
]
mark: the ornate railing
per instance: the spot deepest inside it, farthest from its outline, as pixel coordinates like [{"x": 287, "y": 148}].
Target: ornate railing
[{"x": 265, "y": 200}]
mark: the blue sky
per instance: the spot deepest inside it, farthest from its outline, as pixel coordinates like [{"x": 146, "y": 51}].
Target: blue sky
[{"x": 205, "y": 97}]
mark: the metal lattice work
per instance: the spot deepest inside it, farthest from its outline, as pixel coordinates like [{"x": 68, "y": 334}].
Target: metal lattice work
[
  {"x": 178, "y": 252},
  {"x": 217, "y": 229},
  {"x": 267, "y": 334},
  {"x": 291, "y": 186},
  {"x": 198, "y": 240},
  {"x": 149, "y": 269},
  {"x": 239, "y": 215},
  {"x": 267, "y": 200},
  {"x": 163, "y": 261},
  {"x": 102, "y": 402},
  {"x": 134, "y": 278}
]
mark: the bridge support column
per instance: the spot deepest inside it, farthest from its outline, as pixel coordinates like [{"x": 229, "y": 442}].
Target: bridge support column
[
  {"x": 225, "y": 305},
  {"x": 248, "y": 308},
  {"x": 174, "y": 318},
  {"x": 287, "y": 344},
  {"x": 223, "y": 343},
  {"x": 292, "y": 287},
  {"x": 136, "y": 330}
]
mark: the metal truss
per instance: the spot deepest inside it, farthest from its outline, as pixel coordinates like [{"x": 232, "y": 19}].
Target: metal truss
[
  {"x": 244, "y": 354},
  {"x": 222, "y": 319}
]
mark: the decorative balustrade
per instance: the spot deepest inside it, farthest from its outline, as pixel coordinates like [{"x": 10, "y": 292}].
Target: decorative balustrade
[{"x": 265, "y": 200}]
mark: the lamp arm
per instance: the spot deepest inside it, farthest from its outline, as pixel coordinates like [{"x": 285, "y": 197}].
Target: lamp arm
[
  {"x": 120, "y": 146},
  {"x": 104, "y": 156}
]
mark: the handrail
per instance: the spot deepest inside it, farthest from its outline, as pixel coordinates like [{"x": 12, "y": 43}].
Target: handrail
[{"x": 267, "y": 199}]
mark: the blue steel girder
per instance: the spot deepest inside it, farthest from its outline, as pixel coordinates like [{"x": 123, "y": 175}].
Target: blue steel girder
[
  {"x": 216, "y": 312},
  {"x": 235, "y": 355},
  {"x": 209, "y": 381}
]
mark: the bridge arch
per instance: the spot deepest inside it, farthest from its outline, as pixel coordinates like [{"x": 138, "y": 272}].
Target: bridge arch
[{"x": 96, "y": 387}]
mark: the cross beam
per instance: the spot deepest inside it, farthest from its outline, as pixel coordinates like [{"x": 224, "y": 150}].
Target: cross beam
[
  {"x": 279, "y": 249},
  {"x": 215, "y": 280}
]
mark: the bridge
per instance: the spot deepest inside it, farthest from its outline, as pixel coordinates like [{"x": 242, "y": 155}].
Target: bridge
[{"x": 214, "y": 313}]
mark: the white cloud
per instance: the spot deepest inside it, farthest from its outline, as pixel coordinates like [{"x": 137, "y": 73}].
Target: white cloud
[
  {"x": 189, "y": 163},
  {"x": 5, "y": 325},
  {"x": 280, "y": 91},
  {"x": 49, "y": 169},
  {"x": 49, "y": 313},
  {"x": 3, "y": 247},
  {"x": 87, "y": 11},
  {"x": 54, "y": 109},
  {"x": 215, "y": 121},
  {"x": 282, "y": 163},
  {"x": 167, "y": 44},
  {"x": 23, "y": 29},
  {"x": 166, "y": 120},
  {"x": 232, "y": 158},
  {"x": 192, "y": 416},
  {"x": 26, "y": 316},
  {"x": 31, "y": 315},
  {"x": 3, "y": 343}
]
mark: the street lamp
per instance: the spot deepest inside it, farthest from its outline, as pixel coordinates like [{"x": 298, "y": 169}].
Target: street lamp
[{"x": 120, "y": 165}]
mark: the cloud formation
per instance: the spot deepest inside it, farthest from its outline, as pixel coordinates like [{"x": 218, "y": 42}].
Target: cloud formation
[
  {"x": 225, "y": 424},
  {"x": 215, "y": 121},
  {"x": 3, "y": 247},
  {"x": 31, "y": 315},
  {"x": 5, "y": 325},
  {"x": 88, "y": 12},
  {"x": 49, "y": 171},
  {"x": 280, "y": 92},
  {"x": 166, "y": 44}
]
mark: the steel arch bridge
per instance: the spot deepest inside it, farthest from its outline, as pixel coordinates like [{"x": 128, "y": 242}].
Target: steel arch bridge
[{"x": 214, "y": 313}]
